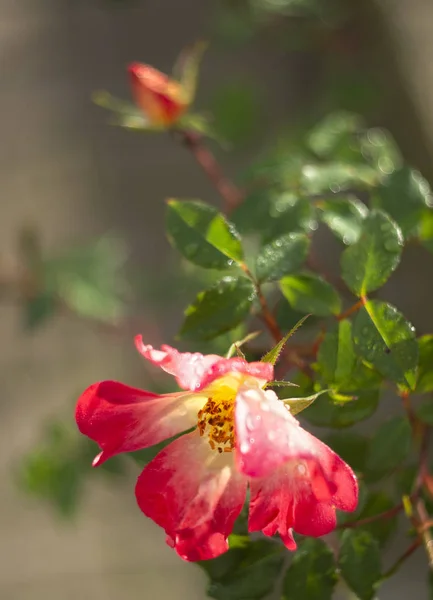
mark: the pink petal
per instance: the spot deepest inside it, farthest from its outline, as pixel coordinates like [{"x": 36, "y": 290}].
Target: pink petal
[
  {"x": 302, "y": 495},
  {"x": 124, "y": 419},
  {"x": 195, "y": 494},
  {"x": 264, "y": 428},
  {"x": 268, "y": 436},
  {"x": 196, "y": 371}
]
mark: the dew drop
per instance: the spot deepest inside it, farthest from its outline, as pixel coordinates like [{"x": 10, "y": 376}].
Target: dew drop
[
  {"x": 245, "y": 447},
  {"x": 386, "y": 227},
  {"x": 392, "y": 245},
  {"x": 301, "y": 469}
]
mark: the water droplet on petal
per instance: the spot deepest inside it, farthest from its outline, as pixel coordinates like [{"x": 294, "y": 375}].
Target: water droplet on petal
[
  {"x": 245, "y": 447},
  {"x": 301, "y": 469}
]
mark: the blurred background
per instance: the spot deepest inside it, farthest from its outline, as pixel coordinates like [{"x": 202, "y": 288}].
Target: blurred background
[{"x": 273, "y": 68}]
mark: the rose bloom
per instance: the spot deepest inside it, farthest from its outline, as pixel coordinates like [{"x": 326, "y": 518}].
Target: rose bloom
[
  {"x": 159, "y": 97},
  {"x": 243, "y": 436}
]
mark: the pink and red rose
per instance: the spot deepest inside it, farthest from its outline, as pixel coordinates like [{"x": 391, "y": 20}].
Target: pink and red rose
[{"x": 244, "y": 436}]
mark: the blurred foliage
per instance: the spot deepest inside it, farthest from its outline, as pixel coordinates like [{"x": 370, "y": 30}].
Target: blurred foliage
[{"x": 56, "y": 469}]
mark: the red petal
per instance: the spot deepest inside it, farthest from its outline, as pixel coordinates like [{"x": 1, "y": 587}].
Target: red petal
[
  {"x": 157, "y": 96},
  {"x": 124, "y": 419},
  {"x": 195, "y": 494},
  {"x": 302, "y": 495},
  {"x": 197, "y": 371}
]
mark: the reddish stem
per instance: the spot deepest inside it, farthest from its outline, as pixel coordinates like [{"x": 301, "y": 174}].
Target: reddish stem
[
  {"x": 387, "y": 514},
  {"x": 395, "y": 567},
  {"x": 353, "y": 309},
  {"x": 231, "y": 195}
]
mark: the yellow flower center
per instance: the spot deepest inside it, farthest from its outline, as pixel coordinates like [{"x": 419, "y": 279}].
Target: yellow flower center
[{"x": 216, "y": 418}]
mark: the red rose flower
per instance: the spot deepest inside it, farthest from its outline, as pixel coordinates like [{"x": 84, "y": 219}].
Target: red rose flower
[{"x": 244, "y": 435}]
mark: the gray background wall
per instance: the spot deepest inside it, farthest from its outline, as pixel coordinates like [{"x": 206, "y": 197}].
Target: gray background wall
[{"x": 63, "y": 169}]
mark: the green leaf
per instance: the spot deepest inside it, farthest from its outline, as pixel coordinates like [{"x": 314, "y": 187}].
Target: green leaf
[
  {"x": 404, "y": 480},
  {"x": 382, "y": 529},
  {"x": 218, "y": 309},
  {"x": 39, "y": 309},
  {"x": 312, "y": 294},
  {"x": 424, "y": 381},
  {"x": 187, "y": 67},
  {"x": 344, "y": 217},
  {"x": 87, "y": 279},
  {"x": 55, "y": 469},
  {"x": 389, "y": 447},
  {"x": 404, "y": 195},
  {"x": 282, "y": 256},
  {"x": 202, "y": 234},
  {"x": 351, "y": 446},
  {"x": 367, "y": 264},
  {"x": 360, "y": 562},
  {"x": 312, "y": 574},
  {"x": 245, "y": 572},
  {"x": 273, "y": 355},
  {"x": 329, "y": 412},
  {"x": 201, "y": 124},
  {"x": 272, "y": 213},
  {"x": 336, "y": 357},
  {"x": 125, "y": 114},
  {"x": 379, "y": 148},
  {"x": 297, "y": 405},
  {"x": 425, "y": 412},
  {"x": 335, "y": 130},
  {"x": 384, "y": 338},
  {"x": 336, "y": 177}
]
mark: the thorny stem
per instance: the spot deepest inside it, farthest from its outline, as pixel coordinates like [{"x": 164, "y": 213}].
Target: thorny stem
[
  {"x": 387, "y": 514},
  {"x": 231, "y": 195},
  {"x": 396, "y": 566},
  {"x": 421, "y": 519},
  {"x": 267, "y": 316},
  {"x": 424, "y": 531}
]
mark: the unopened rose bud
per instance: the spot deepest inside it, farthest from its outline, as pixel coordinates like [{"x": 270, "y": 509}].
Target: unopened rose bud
[
  {"x": 159, "y": 97},
  {"x": 162, "y": 99}
]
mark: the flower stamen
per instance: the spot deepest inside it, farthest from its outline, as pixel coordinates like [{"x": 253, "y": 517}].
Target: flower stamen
[{"x": 216, "y": 420}]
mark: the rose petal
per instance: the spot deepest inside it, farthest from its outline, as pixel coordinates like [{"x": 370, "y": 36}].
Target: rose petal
[
  {"x": 124, "y": 419},
  {"x": 268, "y": 437},
  {"x": 158, "y": 96},
  {"x": 266, "y": 432},
  {"x": 260, "y": 371},
  {"x": 197, "y": 371},
  {"x": 302, "y": 495},
  {"x": 195, "y": 494}
]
